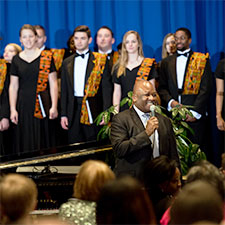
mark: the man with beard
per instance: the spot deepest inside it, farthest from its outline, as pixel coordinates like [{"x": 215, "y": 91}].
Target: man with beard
[{"x": 186, "y": 79}]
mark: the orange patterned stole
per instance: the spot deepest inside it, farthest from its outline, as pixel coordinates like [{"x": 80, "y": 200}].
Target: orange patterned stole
[
  {"x": 145, "y": 68},
  {"x": 115, "y": 57},
  {"x": 3, "y": 72},
  {"x": 44, "y": 70},
  {"x": 58, "y": 55},
  {"x": 194, "y": 74},
  {"x": 92, "y": 86}
]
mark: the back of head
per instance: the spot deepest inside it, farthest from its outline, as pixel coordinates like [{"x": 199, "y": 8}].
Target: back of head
[
  {"x": 124, "y": 201},
  {"x": 18, "y": 196},
  {"x": 158, "y": 171},
  {"x": 206, "y": 171},
  {"x": 92, "y": 176},
  {"x": 197, "y": 201}
]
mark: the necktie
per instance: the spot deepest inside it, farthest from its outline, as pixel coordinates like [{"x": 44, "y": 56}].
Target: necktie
[{"x": 146, "y": 117}]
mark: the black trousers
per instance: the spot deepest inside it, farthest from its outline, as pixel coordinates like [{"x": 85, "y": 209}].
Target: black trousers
[{"x": 79, "y": 132}]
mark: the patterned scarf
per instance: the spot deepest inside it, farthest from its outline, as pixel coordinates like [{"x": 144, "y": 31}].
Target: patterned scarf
[
  {"x": 58, "y": 55},
  {"x": 3, "y": 72},
  {"x": 44, "y": 70},
  {"x": 92, "y": 86},
  {"x": 145, "y": 68},
  {"x": 194, "y": 74}
]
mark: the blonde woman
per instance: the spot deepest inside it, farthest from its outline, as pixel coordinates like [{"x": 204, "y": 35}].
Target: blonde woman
[
  {"x": 80, "y": 209},
  {"x": 33, "y": 94},
  {"x": 130, "y": 66},
  {"x": 169, "y": 45}
]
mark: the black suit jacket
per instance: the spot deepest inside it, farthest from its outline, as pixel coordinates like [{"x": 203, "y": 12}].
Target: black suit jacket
[
  {"x": 168, "y": 85},
  {"x": 132, "y": 145},
  {"x": 101, "y": 101}
]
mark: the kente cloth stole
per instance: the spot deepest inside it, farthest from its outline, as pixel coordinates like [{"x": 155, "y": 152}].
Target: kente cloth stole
[
  {"x": 92, "y": 86},
  {"x": 194, "y": 74},
  {"x": 145, "y": 68},
  {"x": 3, "y": 72},
  {"x": 58, "y": 55},
  {"x": 44, "y": 70},
  {"x": 115, "y": 57}
]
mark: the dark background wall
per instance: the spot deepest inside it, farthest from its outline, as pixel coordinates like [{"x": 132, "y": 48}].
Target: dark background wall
[{"x": 153, "y": 19}]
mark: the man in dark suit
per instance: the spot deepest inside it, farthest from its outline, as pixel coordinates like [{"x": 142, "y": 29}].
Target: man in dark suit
[
  {"x": 104, "y": 40},
  {"x": 185, "y": 78},
  {"x": 138, "y": 137},
  {"x": 86, "y": 88}
]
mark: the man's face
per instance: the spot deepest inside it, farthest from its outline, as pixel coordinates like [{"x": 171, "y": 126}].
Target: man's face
[
  {"x": 41, "y": 38},
  {"x": 104, "y": 40},
  {"x": 182, "y": 40},
  {"x": 145, "y": 96},
  {"x": 81, "y": 41}
]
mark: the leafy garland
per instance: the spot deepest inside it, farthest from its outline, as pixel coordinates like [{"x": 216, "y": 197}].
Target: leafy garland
[{"x": 189, "y": 153}]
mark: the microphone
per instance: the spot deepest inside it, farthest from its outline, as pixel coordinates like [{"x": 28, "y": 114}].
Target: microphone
[{"x": 152, "y": 110}]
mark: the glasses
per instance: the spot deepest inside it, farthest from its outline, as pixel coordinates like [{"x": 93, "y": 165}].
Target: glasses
[
  {"x": 170, "y": 42},
  {"x": 182, "y": 38}
]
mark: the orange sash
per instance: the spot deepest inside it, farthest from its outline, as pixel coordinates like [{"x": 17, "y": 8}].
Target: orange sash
[
  {"x": 3, "y": 72},
  {"x": 194, "y": 74},
  {"x": 92, "y": 86},
  {"x": 58, "y": 55},
  {"x": 115, "y": 57},
  {"x": 145, "y": 68},
  {"x": 44, "y": 70}
]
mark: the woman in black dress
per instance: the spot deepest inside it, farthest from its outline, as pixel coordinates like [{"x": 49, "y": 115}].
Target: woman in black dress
[
  {"x": 5, "y": 135},
  {"x": 130, "y": 66},
  {"x": 32, "y": 75}
]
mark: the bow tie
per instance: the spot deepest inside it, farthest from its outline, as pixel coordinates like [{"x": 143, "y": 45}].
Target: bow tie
[
  {"x": 81, "y": 55},
  {"x": 183, "y": 54}
]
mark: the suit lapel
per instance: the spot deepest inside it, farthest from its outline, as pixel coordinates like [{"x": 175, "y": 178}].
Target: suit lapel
[
  {"x": 70, "y": 67},
  {"x": 90, "y": 66},
  {"x": 174, "y": 70},
  {"x": 136, "y": 119},
  {"x": 191, "y": 52}
]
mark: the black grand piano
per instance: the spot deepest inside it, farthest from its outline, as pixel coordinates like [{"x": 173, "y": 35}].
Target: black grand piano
[{"x": 54, "y": 170}]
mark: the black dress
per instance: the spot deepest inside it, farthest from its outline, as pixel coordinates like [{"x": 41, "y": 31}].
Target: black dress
[
  {"x": 127, "y": 82},
  {"x": 31, "y": 133}
]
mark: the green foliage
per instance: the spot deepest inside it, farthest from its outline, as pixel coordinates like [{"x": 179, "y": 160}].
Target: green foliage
[{"x": 189, "y": 152}]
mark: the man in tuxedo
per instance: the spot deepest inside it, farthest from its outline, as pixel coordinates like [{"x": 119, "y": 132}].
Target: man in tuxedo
[
  {"x": 41, "y": 37},
  {"x": 105, "y": 39},
  {"x": 137, "y": 136},
  {"x": 185, "y": 78},
  {"x": 86, "y": 88}
]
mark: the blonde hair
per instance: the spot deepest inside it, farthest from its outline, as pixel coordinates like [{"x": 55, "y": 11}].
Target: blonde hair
[
  {"x": 123, "y": 59},
  {"x": 18, "y": 196},
  {"x": 164, "y": 51},
  {"x": 16, "y": 47},
  {"x": 92, "y": 176}
]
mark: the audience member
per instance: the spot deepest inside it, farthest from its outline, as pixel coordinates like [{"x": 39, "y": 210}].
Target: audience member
[
  {"x": 124, "y": 201},
  {"x": 18, "y": 197},
  {"x": 70, "y": 50},
  {"x": 86, "y": 89},
  {"x": 161, "y": 178},
  {"x": 169, "y": 45},
  {"x": 130, "y": 66},
  {"x": 92, "y": 176},
  {"x": 198, "y": 201},
  {"x": 41, "y": 37},
  {"x": 10, "y": 50},
  {"x": 190, "y": 86},
  {"x": 31, "y": 88},
  {"x": 203, "y": 171},
  {"x": 223, "y": 163},
  {"x": 136, "y": 137}
]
